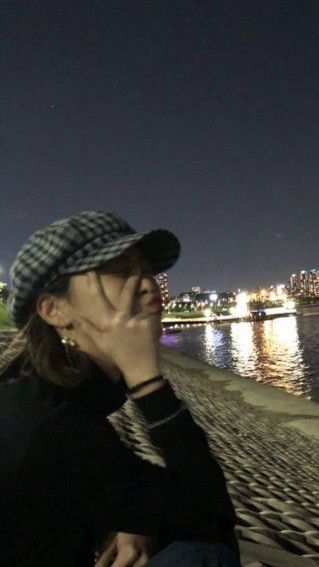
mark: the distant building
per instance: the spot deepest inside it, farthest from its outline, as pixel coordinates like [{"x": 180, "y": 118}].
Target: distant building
[
  {"x": 162, "y": 281},
  {"x": 294, "y": 285},
  {"x": 304, "y": 283},
  {"x": 185, "y": 297},
  {"x": 226, "y": 296},
  {"x": 196, "y": 289},
  {"x": 262, "y": 294}
]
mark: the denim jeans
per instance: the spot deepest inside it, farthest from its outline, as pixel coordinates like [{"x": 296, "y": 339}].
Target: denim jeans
[{"x": 198, "y": 554}]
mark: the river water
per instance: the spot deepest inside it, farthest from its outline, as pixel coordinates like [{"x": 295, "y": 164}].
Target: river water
[{"x": 283, "y": 352}]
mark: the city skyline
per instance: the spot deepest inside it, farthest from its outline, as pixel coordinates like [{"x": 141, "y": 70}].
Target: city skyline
[{"x": 306, "y": 279}]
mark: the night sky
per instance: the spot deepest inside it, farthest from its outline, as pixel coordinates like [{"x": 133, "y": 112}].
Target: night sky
[{"x": 200, "y": 117}]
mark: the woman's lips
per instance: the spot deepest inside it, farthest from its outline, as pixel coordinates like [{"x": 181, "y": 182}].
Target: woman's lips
[{"x": 156, "y": 301}]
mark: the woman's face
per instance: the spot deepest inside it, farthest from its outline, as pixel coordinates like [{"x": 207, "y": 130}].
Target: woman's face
[{"x": 112, "y": 277}]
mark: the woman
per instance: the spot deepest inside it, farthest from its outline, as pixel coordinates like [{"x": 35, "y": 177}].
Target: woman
[{"x": 86, "y": 303}]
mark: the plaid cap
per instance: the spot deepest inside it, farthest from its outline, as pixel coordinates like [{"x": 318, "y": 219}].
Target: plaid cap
[{"x": 77, "y": 244}]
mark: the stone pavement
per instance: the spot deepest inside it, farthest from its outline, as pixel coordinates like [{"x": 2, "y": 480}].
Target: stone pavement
[{"x": 271, "y": 469}]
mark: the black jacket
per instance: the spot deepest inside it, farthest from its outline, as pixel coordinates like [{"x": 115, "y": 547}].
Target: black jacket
[{"x": 67, "y": 478}]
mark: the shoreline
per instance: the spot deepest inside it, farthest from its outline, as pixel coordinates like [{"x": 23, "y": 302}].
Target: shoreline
[
  {"x": 289, "y": 410},
  {"x": 180, "y": 322},
  {"x": 269, "y": 455},
  {"x": 268, "y": 444}
]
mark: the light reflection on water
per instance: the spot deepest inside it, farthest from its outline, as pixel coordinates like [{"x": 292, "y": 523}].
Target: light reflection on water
[{"x": 283, "y": 352}]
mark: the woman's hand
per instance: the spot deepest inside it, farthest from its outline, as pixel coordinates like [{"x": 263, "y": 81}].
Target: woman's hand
[
  {"x": 131, "y": 341},
  {"x": 128, "y": 550}
]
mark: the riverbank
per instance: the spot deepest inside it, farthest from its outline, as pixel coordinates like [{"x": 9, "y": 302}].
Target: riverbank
[
  {"x": 264, "y": 315},
  {"x": 267, "y": 442}
]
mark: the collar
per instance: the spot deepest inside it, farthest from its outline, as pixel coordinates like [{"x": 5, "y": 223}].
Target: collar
[{"x": 97, "y": 390}]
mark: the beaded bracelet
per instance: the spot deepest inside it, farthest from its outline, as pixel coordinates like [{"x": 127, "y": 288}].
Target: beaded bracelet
[{"x": 145, "y": 383}]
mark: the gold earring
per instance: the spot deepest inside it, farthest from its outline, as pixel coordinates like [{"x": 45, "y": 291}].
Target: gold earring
[{"x": 68, "y": 342}]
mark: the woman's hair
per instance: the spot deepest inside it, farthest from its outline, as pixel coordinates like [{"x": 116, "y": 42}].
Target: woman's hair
[{"x": 40, "y": 347}]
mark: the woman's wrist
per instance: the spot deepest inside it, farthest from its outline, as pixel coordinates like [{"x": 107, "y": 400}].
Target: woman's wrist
[
  {"x": 147, "y": 389},
  {"x": 136, "y": 376}
]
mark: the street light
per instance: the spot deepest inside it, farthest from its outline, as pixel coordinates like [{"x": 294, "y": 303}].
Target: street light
[{"x": 241, "y": 307}]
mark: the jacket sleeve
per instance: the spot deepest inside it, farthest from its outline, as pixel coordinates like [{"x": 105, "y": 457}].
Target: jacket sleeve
[{"x": 122, "y": 492}]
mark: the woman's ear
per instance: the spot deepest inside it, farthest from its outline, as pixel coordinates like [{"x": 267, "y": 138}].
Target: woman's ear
[{"x": 53, "y": 310}]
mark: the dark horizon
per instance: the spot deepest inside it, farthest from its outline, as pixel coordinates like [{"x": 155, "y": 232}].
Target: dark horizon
[{"x": 197, "y": 117}]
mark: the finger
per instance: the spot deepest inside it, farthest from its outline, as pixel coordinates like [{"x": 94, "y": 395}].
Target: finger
[
  {"x": 129, "y": 290},
  {"x": 126, "y": 557},
  {"x": 142, "y": 561},
  {"x": 104, "y": 560},
  {"x": 97, "y": 292},
  {"x": 154, "y": 316}
]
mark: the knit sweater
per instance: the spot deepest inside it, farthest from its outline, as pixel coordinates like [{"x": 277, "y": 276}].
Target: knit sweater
[{"x": 67, "y": 479}]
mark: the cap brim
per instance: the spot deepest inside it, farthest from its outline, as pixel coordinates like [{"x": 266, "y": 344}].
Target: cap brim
[{"x": 160, "y": 247}]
